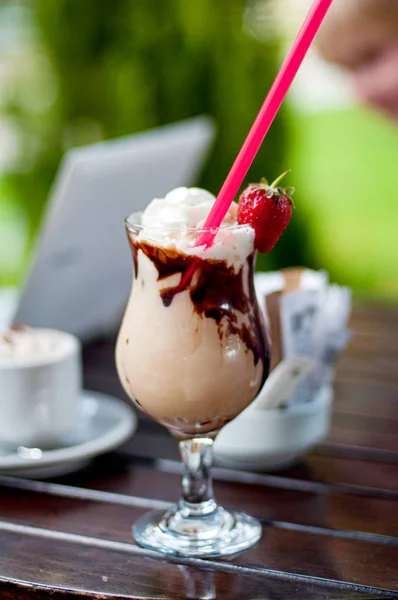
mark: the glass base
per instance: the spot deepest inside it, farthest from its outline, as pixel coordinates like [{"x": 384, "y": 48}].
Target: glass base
[{"x": 217, "y": 534}]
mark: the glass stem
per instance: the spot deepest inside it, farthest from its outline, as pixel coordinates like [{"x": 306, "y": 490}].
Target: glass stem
[{"x": 197, "y": 498}]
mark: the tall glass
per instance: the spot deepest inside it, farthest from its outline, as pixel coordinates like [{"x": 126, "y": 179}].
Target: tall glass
[{"x": 192, "y": 355}]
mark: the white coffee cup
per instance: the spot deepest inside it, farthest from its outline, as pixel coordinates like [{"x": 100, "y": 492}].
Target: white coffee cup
[{"x": 39, "y": 390}]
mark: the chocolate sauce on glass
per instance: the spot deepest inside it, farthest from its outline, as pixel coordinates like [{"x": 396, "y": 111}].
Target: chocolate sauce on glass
[{"x": 217, "y": 292}]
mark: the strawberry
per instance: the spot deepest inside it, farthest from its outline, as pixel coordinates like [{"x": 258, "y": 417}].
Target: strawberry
[{"x": 268, "y": 209}]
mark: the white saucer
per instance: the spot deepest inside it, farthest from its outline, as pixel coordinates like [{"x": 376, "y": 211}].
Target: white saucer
[{"x": 103, "y": 423}]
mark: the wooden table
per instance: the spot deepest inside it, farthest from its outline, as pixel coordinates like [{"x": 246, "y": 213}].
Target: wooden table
[{"x": 330, "y": 524}]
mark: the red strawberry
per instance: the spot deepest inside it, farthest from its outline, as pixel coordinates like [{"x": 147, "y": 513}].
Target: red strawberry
[{"x": 268, "y": 209}]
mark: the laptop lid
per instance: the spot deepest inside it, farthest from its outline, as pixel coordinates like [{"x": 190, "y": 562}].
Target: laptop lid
[{"x": 81, "y": 274}]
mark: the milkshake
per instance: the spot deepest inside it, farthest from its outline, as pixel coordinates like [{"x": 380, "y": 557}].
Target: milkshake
[
  {"x": 191, "y": 354},
  {"x": 192, "y": 351}
]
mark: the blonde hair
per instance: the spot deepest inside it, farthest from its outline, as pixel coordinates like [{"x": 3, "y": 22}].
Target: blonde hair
[{"x": 356, "y": 29}]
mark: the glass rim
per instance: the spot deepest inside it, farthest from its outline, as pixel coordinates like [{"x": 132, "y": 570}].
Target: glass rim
[{"x": 132, "y": 223}]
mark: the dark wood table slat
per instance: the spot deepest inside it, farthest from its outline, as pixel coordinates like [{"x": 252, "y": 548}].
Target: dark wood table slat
[
  {"x": 327, "y": 465},
  {"x": 84, "y": 571},
  {"x": 341, "y": 435},
  {"x": 335, "y": 510},
  {"x": 372, "y": 400},
  {"x": 346, "y": 471},
  {"x": 337, "y": 559}
]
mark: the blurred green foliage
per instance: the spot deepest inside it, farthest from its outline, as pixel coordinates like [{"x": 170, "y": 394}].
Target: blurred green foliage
[
  {"x": 111, "y": 68},
  {"x": 346, "y": 162}
]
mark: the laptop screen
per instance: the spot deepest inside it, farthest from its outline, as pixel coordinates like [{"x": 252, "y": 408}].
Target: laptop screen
[{"x": 81, "y": 272}]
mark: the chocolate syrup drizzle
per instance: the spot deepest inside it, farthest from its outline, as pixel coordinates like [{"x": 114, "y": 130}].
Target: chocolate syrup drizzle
[{"x": 218, "y": 293}]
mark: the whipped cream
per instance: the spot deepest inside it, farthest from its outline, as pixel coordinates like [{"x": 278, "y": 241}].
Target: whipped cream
[
  {"x": 32, "y": 345},
  {"x": 174, "y": 221},
  {"x": 181, "y": 208}
]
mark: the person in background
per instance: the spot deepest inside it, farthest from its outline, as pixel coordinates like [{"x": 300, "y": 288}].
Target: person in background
[{"x": 362, "y": 36}]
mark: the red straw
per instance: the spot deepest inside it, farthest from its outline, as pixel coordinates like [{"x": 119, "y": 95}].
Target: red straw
[{"x": 264, "y": 119}]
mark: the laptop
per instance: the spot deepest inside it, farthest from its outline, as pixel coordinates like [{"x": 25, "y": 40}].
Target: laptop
[{"x": 81, "y": 272}]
